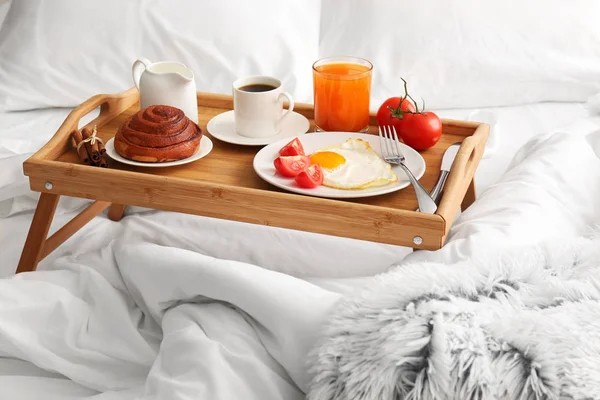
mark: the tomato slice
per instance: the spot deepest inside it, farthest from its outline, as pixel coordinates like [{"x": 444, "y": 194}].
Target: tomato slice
[
  {"x": 311, "y": 177},
  {"x": 290, "y": 166},
  {"x": 293, "y": 148}
]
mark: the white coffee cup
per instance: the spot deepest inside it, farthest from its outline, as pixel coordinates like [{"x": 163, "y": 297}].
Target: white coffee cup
[{"x": 259, "y": 113}]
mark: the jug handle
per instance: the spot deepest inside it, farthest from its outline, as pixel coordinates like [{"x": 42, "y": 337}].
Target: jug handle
[{"x": 138, "y": 67}]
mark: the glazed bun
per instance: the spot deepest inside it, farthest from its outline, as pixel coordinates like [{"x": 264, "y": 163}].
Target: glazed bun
[{"x": 158, "y": 133}]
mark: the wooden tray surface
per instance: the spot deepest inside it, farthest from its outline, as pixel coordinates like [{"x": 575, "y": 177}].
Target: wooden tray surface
[{"x": 229, "y": 166}]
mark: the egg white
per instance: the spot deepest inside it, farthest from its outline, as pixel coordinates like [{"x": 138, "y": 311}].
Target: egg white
[{"x": 363, "y": 167}]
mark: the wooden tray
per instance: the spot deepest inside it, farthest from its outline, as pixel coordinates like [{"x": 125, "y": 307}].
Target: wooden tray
[{"x": 224, "y": 184}]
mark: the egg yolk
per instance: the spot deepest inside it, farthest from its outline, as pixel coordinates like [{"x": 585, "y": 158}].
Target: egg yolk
[{"x": 327, "y": 159}]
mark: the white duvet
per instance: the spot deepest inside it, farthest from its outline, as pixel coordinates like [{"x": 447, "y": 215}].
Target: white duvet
[
  {"x": 171, "y": 306},
  {"x": 145, "y": 314},
  {"x": 165, "y": 323}
]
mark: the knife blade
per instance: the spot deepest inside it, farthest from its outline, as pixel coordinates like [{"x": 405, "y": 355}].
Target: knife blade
[{"x": 447, "y": 160}]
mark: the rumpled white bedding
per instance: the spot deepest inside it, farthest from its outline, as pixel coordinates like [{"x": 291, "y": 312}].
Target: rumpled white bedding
[
  {"x": 96, "y": 314},
  {"x": 21, "y": 134},
  {"x": 166, "y": 323},
  {"x": 24, "y": 132},
  {"x": 3, "y": 10},
  {"x": 135, "y": 319}
]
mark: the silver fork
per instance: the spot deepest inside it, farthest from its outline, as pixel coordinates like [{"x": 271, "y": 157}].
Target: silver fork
[{"x": 391, "y": 153}]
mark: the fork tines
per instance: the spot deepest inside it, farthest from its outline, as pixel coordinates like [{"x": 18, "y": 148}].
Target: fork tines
[{"x": 390, "y": 145}]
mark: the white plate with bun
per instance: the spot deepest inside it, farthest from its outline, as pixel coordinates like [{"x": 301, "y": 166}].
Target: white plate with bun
[{"x": 205, "y": 147}]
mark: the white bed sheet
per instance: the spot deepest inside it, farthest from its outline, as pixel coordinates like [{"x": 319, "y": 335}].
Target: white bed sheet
[
  {"x": 21, "y": 133},
  {"x": 84, "y": 319},
  {"x": 301, "y": 254},
  {"x": 4, "y": 5}
]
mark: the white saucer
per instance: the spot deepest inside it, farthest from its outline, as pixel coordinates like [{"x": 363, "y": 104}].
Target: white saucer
[
  {"x": 222, "y": 127},
  {"x": 206, "y": 146},
  {"x": 263, "y": 165}
]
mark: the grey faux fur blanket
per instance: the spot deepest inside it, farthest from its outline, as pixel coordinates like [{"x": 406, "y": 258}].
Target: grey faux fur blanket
[{"x": 524, "y": 325}]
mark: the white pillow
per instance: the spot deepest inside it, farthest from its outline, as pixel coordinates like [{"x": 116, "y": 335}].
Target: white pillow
[
  {"x": 59, "y": 53},
  {"x": 470, "y": 53}
]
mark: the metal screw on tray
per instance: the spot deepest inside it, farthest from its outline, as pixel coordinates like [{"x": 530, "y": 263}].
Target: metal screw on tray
[
  {"x": 418, "y": 240},
  {"x": 48, "y": 185},
  {"x": 391, "y": 153}
]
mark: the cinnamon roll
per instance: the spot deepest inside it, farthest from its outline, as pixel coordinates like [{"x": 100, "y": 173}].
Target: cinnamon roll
[{"x": 158, "y": 133}]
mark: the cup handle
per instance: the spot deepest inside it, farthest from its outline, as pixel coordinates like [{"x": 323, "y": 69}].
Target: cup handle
[
  {"x": 290, "y": 105},
  {"x": 138, "y": 67}
]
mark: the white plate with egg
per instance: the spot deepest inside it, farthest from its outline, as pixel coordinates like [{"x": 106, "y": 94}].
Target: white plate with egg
[{"x": 351, "y": 162}]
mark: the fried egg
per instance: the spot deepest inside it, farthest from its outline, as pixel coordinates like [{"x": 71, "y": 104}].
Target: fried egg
[{"x": 353, "y": 165}]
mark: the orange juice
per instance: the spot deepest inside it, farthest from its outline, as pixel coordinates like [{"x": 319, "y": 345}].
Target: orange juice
[{"x": 342, "y": 89}]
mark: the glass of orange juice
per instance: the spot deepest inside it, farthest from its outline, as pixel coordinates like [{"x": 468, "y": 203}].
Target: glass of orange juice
[{"x": 342, "y": 90}]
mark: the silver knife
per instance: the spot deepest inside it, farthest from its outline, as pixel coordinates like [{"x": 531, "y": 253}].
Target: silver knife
[{"x": 447, "y": 160}]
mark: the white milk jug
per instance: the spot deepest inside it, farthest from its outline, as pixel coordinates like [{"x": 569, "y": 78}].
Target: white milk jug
[{"x": 168, "y": 83}]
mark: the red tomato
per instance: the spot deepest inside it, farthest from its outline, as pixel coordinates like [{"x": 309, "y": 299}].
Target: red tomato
[
  {"x": 310, "y": 177},
  {"x": 290, "y": 166},
  {"x": 293, "y": 148},
  {"x": 388, "y": 112},
  {"x": 419, "y": 131}
]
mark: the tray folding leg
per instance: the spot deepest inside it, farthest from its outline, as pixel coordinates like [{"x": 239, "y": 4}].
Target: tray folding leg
[
  {"x": 116, "y": 211},
  {"x": 469, "y": 196},
  {"x": 36, "y": 238},
  {"x": 38, "y": 245}
]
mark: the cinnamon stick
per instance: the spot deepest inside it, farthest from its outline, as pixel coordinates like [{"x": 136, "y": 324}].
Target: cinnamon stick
[
  {"x": 82, "y": 151},
  {"x": 92, "y": 148},
  {"x": 101, "y": 148}
]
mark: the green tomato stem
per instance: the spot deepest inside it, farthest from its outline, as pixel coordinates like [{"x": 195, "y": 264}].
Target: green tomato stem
[{"x": 399, "y": 112}]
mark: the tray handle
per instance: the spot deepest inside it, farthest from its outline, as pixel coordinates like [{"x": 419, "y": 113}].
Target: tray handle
[
  {"x": 464, "y": 158},
  {"x": 462, "y": 172},
  {"x": 110, "y": 107}
]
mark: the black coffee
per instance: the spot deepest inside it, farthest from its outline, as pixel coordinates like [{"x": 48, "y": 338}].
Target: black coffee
[{"x": 257, "y": 87}]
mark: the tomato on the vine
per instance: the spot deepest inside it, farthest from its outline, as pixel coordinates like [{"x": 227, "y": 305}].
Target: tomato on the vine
[
  {"x": 418, "y": 129},
  {"x": 391, "y": 108}
]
